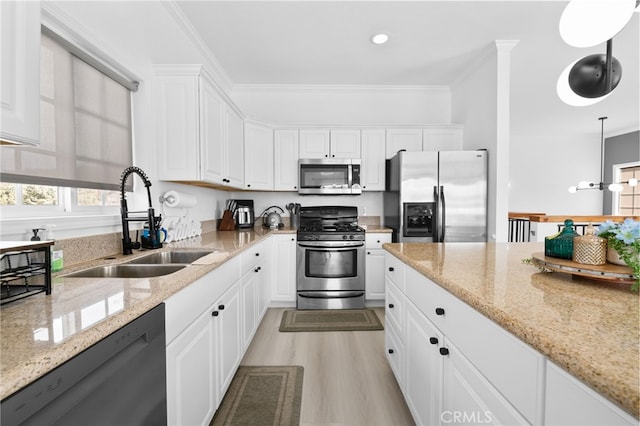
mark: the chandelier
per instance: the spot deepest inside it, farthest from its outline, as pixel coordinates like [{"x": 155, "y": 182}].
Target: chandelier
[{"x": 613, "y": 187}]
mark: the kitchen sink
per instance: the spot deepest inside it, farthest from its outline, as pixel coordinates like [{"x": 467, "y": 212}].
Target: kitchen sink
[
  {"x": 168, "y": 257},
  {"x": 126, "y": 271}
]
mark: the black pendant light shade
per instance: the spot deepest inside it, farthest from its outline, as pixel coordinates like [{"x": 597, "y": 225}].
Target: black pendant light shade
[
  {"x": 589, "y": 77},
  {"x": 596, "y": 75}
]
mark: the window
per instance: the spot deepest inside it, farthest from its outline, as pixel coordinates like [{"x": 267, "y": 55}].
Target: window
[
  {"x": 86, "y": 139},
  {"x": 627, "y": 202}
]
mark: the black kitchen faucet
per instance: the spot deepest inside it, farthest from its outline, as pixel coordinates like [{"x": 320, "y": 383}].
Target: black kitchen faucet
[{"x": 150, "y": 241}]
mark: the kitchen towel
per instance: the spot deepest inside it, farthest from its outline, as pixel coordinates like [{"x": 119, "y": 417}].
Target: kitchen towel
[{"x": 179, "y": 199}]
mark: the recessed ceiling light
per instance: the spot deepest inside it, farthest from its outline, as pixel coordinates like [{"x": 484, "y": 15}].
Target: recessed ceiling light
[{"x": 380, "y": 38}]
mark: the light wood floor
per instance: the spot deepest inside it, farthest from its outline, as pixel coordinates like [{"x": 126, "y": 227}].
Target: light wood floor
[{"x": 347, "y": 380}]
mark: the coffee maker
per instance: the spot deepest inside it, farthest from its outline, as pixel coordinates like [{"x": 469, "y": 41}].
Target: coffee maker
[{"x": 244, "y": 214}]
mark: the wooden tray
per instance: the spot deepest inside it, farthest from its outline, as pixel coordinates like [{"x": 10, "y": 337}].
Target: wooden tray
[{"x": 607, "y": 272}]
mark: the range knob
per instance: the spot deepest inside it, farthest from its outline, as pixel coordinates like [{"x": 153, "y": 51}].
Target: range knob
[{"x": 344, "y": 237}]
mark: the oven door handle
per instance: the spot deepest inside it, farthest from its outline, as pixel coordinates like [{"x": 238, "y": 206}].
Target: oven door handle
[
  {"x": 330, "y": 294},
  {"x": 331, "y": 244}
]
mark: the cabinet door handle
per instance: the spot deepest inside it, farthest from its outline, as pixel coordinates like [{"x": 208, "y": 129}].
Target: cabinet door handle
[
  {"x": 221, "y": 307},
  {"x": 257, "y": 254},
  {"x": 248, "y": 185},
  {"x": 378, "y": 241},
  {"x": 439, "y": 311},
  {"x": 444, "y": 351},
  {"x": 390, "y": 305},
  {"x": 215, "y": 313},
  {"x": 257, "y": 269},
  {"x": 433, "y": 340},
  {"x": 390, "y": 268},
  {"x": 390, "y": 351},
  {"x": 368, "y": 252}
]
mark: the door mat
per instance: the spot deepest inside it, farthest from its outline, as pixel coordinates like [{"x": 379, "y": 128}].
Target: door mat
[
  {"x": 330, "y": 320},
  {"x": 262, "y": 395}
]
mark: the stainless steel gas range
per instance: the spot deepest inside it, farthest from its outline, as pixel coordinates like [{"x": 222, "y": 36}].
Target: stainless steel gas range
[{"x": 330, "y": 259}]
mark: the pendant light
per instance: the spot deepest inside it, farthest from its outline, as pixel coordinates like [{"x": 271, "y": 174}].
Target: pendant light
[
  {"x": 586, "y": 23},
  {"x": 613, "y": 187}
]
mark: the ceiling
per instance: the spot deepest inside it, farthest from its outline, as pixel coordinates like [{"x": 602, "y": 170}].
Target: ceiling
[{"x": 431, "y": 43}]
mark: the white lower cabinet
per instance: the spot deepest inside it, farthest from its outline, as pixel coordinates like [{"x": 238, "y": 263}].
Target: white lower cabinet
[
  {"x": 374, "y": 266},
  {"x": 456, "y": 366},
  {"x": 423, "y": 378},
  {"x": 283, "y": 276},
  {"x": 227, "y": 339},
  {"x": 468, "y": 397},
  {"x": 205, "y": 340},
  {"x": 191, "y": 374},
  {"x": 202, "y": 360},
  {"x": 256, "y": 289}
]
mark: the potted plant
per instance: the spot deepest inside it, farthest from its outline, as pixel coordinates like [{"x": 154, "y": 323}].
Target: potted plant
[{"x": 624, "y": 239}]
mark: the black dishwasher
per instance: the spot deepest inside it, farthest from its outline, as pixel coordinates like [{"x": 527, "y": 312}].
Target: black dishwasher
[{"x": 121, "y": 380}]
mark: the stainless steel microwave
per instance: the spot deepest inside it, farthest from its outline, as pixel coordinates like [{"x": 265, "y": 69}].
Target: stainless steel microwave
[{"x": 329, "y": 176}]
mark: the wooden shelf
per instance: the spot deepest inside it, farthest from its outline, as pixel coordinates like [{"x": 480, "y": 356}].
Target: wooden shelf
[
  {"x": 607, "y": 272},
  {"x": 579, "y": 219}
]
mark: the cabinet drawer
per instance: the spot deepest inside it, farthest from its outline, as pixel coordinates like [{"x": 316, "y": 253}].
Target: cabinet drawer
[
  {"x": 375, "y": 240},
  {"x": 394, "y": 308},
  {"x": 251, "y": 256},
  {"x": 394, "y": 269}
]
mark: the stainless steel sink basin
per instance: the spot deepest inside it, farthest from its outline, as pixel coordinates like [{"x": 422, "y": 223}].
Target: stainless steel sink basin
[
  {"x": 168, "y": 257},
  {"x": 126, "y": 271}
]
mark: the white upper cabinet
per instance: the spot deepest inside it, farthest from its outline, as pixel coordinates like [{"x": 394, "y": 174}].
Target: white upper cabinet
[
  {"x": 234, "y": 145},
  {"x": 177, "y": 112},
  {"x": 442, "y": 138},
  {"x": 345, "y": 144},
  {"x": 409, "y": 139},
  {"x": 20, "y": 90},
  {"x": 372, "y": 175},
  {"x": 258, "y": 149},
  {"x": 323, "y": 143},
  {"x": 212, "y": 134},
  {"x": 200, "y": 136},
  {"x": 221, "y": 139},
  {"x": 285, "y": 160},
  {"x": 314, "y": 143}
]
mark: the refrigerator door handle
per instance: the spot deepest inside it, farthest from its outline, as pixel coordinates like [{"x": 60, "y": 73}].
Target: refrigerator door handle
[
  {"x": 434, "y": 217},
  {"x": 443, "y": 211}
]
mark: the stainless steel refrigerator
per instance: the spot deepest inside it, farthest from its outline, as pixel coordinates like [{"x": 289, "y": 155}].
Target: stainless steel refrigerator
[{"x": 437, "y": 196}]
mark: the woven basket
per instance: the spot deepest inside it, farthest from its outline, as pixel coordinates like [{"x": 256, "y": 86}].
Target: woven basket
[{"x": 590, "y": 249}]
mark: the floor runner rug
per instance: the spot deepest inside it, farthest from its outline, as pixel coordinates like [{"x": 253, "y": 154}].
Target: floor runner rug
[
  {"x": 330, "y": 320},
  {"x": 262, "y": 395}
]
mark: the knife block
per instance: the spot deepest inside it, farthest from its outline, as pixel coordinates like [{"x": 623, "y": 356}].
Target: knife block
[{"x": 227, "y": 223}]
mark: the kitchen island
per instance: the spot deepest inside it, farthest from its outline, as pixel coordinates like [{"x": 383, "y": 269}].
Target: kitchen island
[{"x": 589, "y": 328}]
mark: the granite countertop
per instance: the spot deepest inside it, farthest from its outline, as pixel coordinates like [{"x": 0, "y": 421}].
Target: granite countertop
[
  {"x": 377, "y": 228},
  {"x": 40, "y": 332},
  {"x": 590, "y": 328}
]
